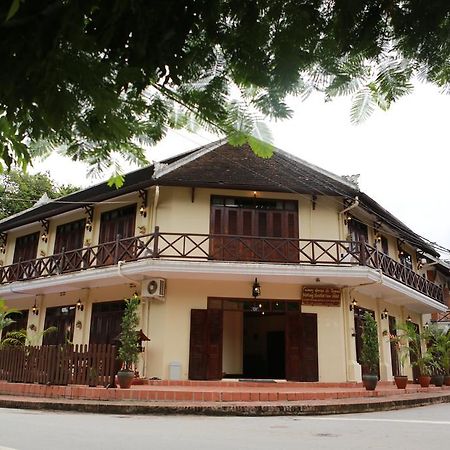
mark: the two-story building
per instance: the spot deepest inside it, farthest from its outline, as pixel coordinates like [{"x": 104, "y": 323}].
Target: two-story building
[{"x": 247, "y": 268}]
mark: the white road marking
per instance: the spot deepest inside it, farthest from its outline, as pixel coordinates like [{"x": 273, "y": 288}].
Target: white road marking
[
  {"x": 362, "y": 419},
  {"x": 7, "y": 448}
]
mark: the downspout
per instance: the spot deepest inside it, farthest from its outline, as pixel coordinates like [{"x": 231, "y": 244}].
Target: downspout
[
  {"x": 341, "y": 226},
  {"x": 121, "y": 274},
  {"x": 353, "y": 205},
  {"x": 155, "y": 206}
]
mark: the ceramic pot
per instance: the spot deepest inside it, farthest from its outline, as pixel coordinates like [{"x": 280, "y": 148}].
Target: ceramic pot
[
  {"x": 438, "y": 380},
  {"x": 370, "y": 382},
  {"x": 424, "y": 380},
  {"x": 447, "y": 380},
  {"x": 125, "y": 378},
  {"x": 401, "y": 381}
]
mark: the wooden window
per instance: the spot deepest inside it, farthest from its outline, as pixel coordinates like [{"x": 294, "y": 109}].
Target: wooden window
[
  {"x": 62, "y": 318},
  {"x": 106, "y": 321},
  {"x": 384, "y": 245},
  {"x": 26, "y": 247},
  {"x": 69, "y": 236},
  {"x": 254, "y": 222}
]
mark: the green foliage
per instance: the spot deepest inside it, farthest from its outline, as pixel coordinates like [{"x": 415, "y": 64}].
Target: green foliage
[
  {"x": 101, "y": 77},
  {"x": 20, "y": 338},
  {"x": 129, "y": 350},
  {"x": 410, "y": 343},
  {"x": 438, "y": 342},
  {"x": 370, "y": 354},
  {"x": 5, "y": 312},
  {"x": 19, "y": 191}
]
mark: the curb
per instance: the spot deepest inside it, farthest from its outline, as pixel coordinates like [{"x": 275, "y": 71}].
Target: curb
[{"x": 222, "y": 409}]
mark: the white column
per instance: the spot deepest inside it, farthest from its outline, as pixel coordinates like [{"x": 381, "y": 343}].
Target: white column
[
  {"x": 81, "y": 324},
  {"x": 353, "y": 368},
  {"x": 384, "y": 345}
]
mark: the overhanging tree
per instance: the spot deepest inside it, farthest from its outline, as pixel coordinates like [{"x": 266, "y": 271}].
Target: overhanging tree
[
  {"x": 105, "y": 76},
  {"x": 19, "y": 191}
]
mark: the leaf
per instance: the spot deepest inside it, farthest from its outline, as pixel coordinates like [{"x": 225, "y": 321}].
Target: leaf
[
  {"x": 13, "y": 9},
  {"x": 362, "y": 106},
  {"x": 116, "y": 180}
]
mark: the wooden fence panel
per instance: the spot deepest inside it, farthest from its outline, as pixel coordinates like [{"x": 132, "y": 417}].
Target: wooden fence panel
[{"x": 59, "y": 365}]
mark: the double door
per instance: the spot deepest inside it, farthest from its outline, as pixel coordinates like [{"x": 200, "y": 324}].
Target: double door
[
  {"x": 206, "y": 339},
  {"x": 254, "y": 231}
]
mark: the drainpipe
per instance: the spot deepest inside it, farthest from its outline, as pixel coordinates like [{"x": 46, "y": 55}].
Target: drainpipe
[
  {"x": 155, "y": 206},
  {"x": 353, "y": 205},
  {"x": 341, "y": 226},
  {"x": 121, "y": 274}
]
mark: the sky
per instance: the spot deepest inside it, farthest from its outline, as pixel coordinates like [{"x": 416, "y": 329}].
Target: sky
[{"x": 401, "y": 155}]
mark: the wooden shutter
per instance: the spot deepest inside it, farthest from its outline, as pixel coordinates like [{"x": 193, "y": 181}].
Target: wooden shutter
[
  {"x": 310, "y": 357},
  {"x": 69, "y": 236},
  {"x": 205, "y": 348},
  {"x": 26, "y": 247},
  {"x": 394, "y": 354},
  {"x": 293, "y": 346}
]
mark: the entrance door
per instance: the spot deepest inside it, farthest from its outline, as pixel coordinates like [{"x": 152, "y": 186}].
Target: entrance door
[
  {"x": 205, "y": 353},
  {"x": 301, "y": 347}
]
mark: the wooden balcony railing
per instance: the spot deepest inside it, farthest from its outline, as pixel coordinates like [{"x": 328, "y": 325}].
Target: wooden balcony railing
[{"x": 222, "y": 248}]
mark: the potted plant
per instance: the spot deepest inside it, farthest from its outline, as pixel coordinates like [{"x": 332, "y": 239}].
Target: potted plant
[
  {"x": 401, "y": 343},
  {"x": 438, "y": 342},
  {"x": 128, "y": 338},
  {"x": 370, "y": 352}
]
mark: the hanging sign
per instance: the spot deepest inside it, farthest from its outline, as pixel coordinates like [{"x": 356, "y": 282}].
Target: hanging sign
[{"x": 321, "y": 296}]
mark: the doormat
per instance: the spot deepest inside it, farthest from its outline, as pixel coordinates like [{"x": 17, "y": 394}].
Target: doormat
[{"x": 256, "y": 380}]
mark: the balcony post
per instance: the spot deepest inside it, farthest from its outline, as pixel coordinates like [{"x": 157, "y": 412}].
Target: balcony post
[
  {"x": 116, "y": 249},
  {"x": 61, "y": 261},
  {"x": 156, "y": 242}
]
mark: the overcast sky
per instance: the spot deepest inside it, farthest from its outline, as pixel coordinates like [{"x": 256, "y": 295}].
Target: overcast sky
[{"x": 401, "y": 155}]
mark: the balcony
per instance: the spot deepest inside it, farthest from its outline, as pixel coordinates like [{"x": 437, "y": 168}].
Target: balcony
[{"x": 210, "y": 247}]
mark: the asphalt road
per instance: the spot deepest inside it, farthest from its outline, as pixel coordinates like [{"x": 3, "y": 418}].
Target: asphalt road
[{"x": 418, "y": 428}]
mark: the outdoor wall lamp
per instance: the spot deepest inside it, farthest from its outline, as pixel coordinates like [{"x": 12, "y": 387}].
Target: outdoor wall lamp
[
  {"x": 79, "y": 325},
  {"x": 256, "y": 289},
  {"x": 384, "y": 314},
  {"x": 143, "y": 196},
  {"x": 80, "y": 305},
  {"x": 3, "y": 240},
  {"x": 408, "y": 319},
  {"x": 426, "y": 326},
  {"x": 353, "y": 304},
  {"x": 45, "y": 225},
  {"x": 35, "y": 310}
]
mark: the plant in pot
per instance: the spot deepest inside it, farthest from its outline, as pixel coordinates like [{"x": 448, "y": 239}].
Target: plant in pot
[
  {"x": 426, "y": 364},
  {"x": 401, "y": 344},
  {"x": 370, "y": 353},
  {"x": 438, "y": 341},
  {"x": 128, "y": 338}
]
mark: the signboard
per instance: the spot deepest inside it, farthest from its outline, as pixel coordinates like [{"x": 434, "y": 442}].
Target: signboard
[{"x": 321, "y": 296}]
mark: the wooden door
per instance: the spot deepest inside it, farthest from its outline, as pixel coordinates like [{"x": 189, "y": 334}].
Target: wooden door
[
  {"x": 301, "y": 347},
  {"x": 205, "y": 347},
  {"x": 113, "y": 224},
  {"x": 413, "y": 357},
  {"x": 26, "y": 250},
  {"x": 359, "y": 329},
  {"x": 26, "y": 247},
  {"x": 106, "y": 322},
  {"x": 248, "y": 229},
  {"x": 69, "y": 236},
  {"x": 62, "y": 318},
  {"x": 310, "y": 355},
  {"x": 394, "y": 352}
]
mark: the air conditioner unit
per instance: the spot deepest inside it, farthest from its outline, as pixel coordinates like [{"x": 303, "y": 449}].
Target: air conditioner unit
[{"x": 154, "y": 288}]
